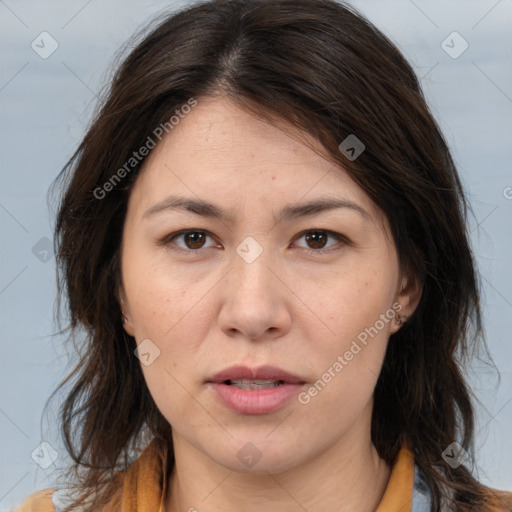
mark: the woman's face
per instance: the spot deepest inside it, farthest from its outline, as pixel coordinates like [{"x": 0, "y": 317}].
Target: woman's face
[{"x": 261, "y": 308}]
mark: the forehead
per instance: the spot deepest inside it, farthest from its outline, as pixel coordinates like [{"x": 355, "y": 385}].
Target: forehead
[{"x": 220, "y": 151}]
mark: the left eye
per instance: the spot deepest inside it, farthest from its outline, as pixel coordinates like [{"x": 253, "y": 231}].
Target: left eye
[{"x": 317, "y": 240}]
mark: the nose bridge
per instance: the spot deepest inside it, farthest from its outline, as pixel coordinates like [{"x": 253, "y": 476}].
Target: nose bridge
[
  {"x": 253, "y": 304},
  {"x": 251, "y": 272}
]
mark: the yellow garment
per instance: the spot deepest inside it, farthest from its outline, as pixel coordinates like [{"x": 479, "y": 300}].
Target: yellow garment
[
  {"x": 398, "y": 494},
  {"x": 143, "y": 486}
]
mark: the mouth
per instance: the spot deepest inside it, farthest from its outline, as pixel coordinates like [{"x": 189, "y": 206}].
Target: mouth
[
  {"x": 266, "y": 376},
  {"x": 253, "y": 384},
  {"x": 253, "y": 391}
]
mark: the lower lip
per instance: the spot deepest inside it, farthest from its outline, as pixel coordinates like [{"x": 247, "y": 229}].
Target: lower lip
[{"x": 255, "y": 401}]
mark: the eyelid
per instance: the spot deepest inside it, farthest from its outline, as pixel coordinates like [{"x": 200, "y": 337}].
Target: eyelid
[
  {"x": 332, "y": 248},
  {"x": 168, "y": 239}
]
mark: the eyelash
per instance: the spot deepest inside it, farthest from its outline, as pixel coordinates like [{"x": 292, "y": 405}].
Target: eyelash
[{"x": 169, "y": 239}]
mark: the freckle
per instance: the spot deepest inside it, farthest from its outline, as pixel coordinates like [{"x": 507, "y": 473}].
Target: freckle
[{"x": 273, "y": 178}]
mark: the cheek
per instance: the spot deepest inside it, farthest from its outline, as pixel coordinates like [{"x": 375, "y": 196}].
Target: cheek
[
  {"x": 177, "y": 324},
  {"x": 347, "y": 303},
  {"x": 176, "y": 317},
  {"x": 346, "y": 374},
  {"x": 174, "y": 396},
  {"x": 162, "y": 304},
  {"x": 346, "y": 359}
]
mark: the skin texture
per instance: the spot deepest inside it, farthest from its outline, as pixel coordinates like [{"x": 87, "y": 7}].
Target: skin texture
[{"x": 206, "y": 309}]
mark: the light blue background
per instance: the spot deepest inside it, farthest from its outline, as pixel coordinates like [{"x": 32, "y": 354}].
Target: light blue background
[{"x": 46, "y": 105}]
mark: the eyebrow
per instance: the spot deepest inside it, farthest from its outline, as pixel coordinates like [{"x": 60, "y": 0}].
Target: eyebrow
[{"x": 206, "y": 209}]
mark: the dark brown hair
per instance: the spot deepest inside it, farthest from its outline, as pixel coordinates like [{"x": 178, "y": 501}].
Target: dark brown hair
[{"x": 326, "y": 70}]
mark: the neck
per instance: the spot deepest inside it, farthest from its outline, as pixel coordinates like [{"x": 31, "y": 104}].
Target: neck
[{"x": 345, "y": 477}]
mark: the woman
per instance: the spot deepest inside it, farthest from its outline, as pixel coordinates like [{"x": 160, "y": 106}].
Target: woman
[{"x": 263, "y": 235}]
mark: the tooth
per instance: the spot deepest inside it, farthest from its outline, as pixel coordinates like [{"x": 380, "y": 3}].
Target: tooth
[
  {"x": 255, "y": 381},
  {"x": 254, "y": 384}
]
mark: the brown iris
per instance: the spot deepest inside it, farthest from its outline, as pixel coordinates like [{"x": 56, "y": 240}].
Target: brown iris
[
  {"x": 194, "y": 240},
  {"x": 316, "y": 239}
]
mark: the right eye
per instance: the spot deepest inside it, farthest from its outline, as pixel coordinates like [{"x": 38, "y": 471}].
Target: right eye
[{"x": 191, "y": 240}]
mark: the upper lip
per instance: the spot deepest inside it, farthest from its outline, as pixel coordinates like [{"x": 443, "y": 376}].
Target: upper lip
[{"x": 259, "y": 373}]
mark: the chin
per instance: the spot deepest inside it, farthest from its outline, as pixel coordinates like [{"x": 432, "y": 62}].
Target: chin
[{"x": 258, "y": 457}]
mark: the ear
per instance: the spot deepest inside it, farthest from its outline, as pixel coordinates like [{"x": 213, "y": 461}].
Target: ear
[
  {"x": 125, "y": 312},
  {"x": 407, "y": 298}
]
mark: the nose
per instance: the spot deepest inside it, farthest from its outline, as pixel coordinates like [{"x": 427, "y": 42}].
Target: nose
[{"x": 255, "y": 302}]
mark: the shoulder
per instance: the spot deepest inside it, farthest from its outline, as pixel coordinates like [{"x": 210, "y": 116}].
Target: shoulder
[
  {"x": 144, "y": 479},
  {"x": 500, "y": 501},
  {"x": 40, "y": 501}
]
